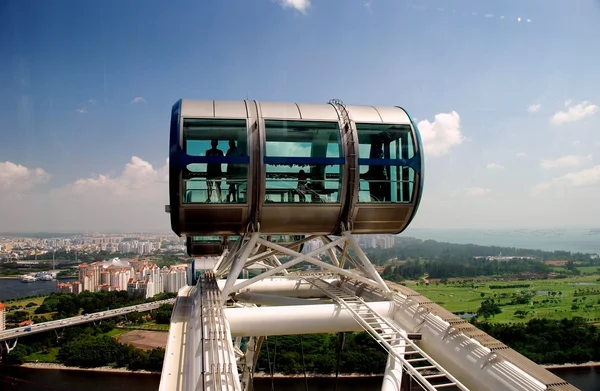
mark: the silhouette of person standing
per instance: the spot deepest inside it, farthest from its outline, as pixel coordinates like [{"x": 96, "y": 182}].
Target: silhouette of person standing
[{"x": 213, "y": 171}]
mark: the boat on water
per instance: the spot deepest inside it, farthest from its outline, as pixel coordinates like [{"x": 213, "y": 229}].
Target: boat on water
[{"x": 28, "y": 279}]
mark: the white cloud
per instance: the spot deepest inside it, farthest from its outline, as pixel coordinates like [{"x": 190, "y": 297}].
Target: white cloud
[
  {"x": 138, "y": 99},
  {"x": 441, "y": 134},
  {"x": 92, "y": 101},
  {"x": 81, "y": 110},
  {"x": 587, "y": 177},
  {"x": 15, "y": 177},
  {"x": 131, "y": 200},
  {"x": 534, "y": 108},
  {"x": 477, "y": 191},
  {"x": 565, "y": 161},
  {"x": 576, "y": 142},
  {"x": 495, "y": 166},
  {"x": 574, "y": 112},
  {"x": 299, "y": 5},
  {"x": 138, "y": 179},
  {"x": 521, "y": 154}
]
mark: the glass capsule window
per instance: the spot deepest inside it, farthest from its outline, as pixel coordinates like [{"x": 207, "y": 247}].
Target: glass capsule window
[
  {"x": 303, "y": 162},
  {"x": 387, "y": 163},
  {"x": 207, "y": 239},
  {"x": 215, "y": 161}
]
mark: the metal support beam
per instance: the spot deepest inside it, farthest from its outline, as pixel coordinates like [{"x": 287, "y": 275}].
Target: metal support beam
[{"x": 238, "y": 265}]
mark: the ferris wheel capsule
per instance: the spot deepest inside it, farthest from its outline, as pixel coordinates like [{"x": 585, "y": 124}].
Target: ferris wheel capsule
[{"x": 292, "y": 168}]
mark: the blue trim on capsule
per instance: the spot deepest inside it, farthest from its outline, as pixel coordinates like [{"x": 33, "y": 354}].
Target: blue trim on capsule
[
  {"x": 413, "y": 162},
  {"x": 186, "y": 159},
  {"x": 175, "y": 166},
  {"x": 325, "y": 161}
]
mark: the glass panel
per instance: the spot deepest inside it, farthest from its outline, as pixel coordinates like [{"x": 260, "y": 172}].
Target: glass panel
[
  {"x": 216, "y": 150},
  {"x": 386, "y": 169},
  {"x": 206, "y": 239},
  {"x": 303, "y": 162}
]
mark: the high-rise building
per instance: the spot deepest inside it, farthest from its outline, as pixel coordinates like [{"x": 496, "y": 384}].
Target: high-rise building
[{"x": 2, "y": 316}]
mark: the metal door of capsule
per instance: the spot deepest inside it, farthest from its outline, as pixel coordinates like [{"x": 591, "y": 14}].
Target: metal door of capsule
[{"x": 202, "y": 202}]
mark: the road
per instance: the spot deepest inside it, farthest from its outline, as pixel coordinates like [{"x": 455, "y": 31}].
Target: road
[{"x": 96, "y": 316}]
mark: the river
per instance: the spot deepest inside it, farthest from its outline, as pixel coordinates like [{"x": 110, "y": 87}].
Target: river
[
  {"x": 13, "y": 288},
  {"x": 27, "y": 379}
]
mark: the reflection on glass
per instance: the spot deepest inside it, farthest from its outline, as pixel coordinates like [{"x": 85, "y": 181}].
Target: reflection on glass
[
  {"x": 206, "y": 239},
  {"x": 219, "y": 150},
  {"x": 303, "y": 161},
  {"x": 384, "y": 161}
]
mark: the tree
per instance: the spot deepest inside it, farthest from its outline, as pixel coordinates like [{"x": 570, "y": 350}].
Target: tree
[{"x": 488, "y": 308}]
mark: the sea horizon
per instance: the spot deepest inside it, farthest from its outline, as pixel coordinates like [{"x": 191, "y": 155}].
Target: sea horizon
[{"x": 548, "y": 239}]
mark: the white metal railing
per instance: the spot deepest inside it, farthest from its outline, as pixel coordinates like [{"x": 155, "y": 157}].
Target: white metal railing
[
  {"x": 389, "y": 336},
  {"x": 220, "y": 368}
]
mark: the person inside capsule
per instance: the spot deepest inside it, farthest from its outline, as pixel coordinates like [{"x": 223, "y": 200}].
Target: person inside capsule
[
  {"x": 376, "y": 175},
  {"x": 233, "y": 172},
  {"x": 213, "y": 171},
  {"x": 317, "y": 182},
  {"x": 302, "y": 186}
]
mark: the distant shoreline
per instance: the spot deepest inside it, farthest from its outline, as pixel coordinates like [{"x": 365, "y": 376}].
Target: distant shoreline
[
  {"x": 10, "y": 277},
  {"x": 107, "y": 369},
  {"x": 61, "y": 367}
]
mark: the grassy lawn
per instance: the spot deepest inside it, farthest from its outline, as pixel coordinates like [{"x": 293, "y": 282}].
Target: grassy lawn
[
  {"x": 47, "y": 356},
  {"x": 459, "y": 299},
  {"x": 589, "y": 269},
  {"x": 116, "y": 332},
  {"x": 150, "y": 325},
  {"x": 23, "y": 302}
]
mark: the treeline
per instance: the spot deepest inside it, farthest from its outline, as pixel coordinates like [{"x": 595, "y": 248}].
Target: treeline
[
  {"x": 549, "y": 341},
  {"x": 15, "y": 269},
  {"x": 99, "y": 351},
  {"x": 509, "y": 286},
  {"x": 80, "y": 256},
  {"x": 169, "y": 258},
  {"x": 88, "y": 346},
  {"x": 411, "y": 248},
  {"x": 468, "y": 267},
  {"x": 318, "y": 354},
  {"x": 66, "y": 304}
]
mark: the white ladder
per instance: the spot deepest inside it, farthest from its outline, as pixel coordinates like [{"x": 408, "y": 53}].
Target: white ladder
[{"x": 389, "y": 336}]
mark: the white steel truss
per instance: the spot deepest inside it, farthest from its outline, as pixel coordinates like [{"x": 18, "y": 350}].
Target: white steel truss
[{"x": 246, "y": 253}]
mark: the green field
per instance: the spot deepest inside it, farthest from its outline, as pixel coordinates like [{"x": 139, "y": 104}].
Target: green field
[
  {"x": 464, "y": 298},
  {"x": 48, "y": 355},
  {"x": 149, "y": 325},
  {"x": 23, "y": 302}
]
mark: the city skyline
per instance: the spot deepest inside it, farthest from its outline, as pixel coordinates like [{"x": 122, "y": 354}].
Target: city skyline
[{"x": 508, "y": 117}]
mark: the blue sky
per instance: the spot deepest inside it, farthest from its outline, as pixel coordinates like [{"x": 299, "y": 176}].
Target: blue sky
[{"x": 487, "y": 82}]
